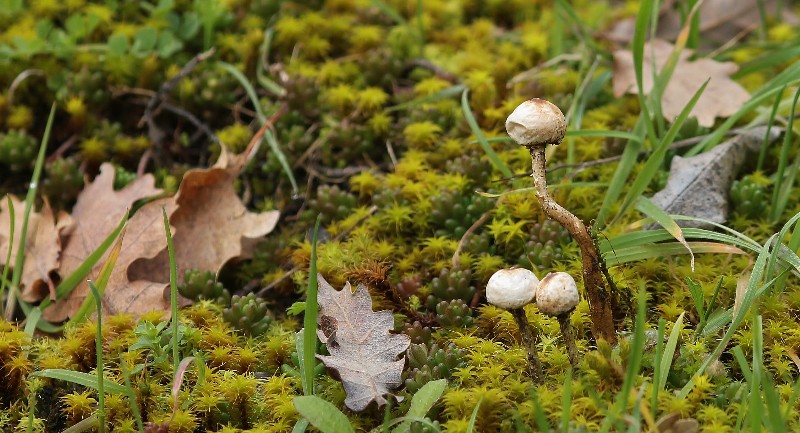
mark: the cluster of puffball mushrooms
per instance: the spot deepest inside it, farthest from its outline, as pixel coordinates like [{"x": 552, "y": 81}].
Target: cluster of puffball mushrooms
[
  {"x": 535, "y": 124},
  {"x": 556, "y": 295}
]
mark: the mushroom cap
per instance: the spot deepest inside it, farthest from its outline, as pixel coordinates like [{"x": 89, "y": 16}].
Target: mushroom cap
[
  {"x": 511, "y": 288},
  {"x": 536, "y": 122},
  {"x": 557, "y": 294}
]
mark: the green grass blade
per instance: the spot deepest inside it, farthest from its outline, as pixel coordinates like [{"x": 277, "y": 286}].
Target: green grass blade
[
  {"x": 738, "y": 354},
  {"x": 310, "y": 317},
  {"x": 665, "y": 363},
  {"x": 131, "y": 395},
  {"x": 657, "y": 372},
  {"x": 102, "y": 280},
  {"x": 566, "y": 402},
  {"x": 389, "y": 11},
  {"x": 656, "y": 159},
  {"x": 751, "y": 293},
  {"x": 474, "y": 417},
  {"x": 173, "y": 292},
  {"x": 756, "y": 406},
  {"x": 31, "y": 320},
  {"x": 271, "y": 141},
  {"x": 80, "y": 378},
  {"x": 783, "y": 183},
  {"x": 12, "y": 221},
  {"x": 633, "y": 364},
  {"x": 473, "y": 125},
  {"x": 626, "y": 163},
  {"x": 776, "y": 421},
  {"x": 449, "y": 92},
  {"x": 33, "y": 189},
  {"x": 762, "y": 152},
  {"x": 639, "y": 38},
  {"x": 322, "y": 414},
  {"x": 68, "y": 284},
  {"x": 98, "y": 341},
  {"x": 643, "y": 252},
  {"x": 602, "y": 133},
  {"x": 647, "y": 207}
]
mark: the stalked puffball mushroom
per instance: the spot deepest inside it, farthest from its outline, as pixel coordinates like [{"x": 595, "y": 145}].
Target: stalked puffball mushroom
[
  {"x": 557, "y": 296},
  {"x": 535, "y": 124},
  {"x": 511, "y": 289}
]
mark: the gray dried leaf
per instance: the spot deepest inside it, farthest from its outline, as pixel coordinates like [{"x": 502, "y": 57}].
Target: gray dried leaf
[
  {"x": 362, "y": 351},
  {"x": 698, "y": 186}
]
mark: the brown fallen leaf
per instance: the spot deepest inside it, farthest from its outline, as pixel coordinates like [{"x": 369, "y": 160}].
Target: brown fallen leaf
[
  {"x": 211, "y": 224},
  {"x": 42, "y": 247},
  {"x": 96, "y": 214},
  {"x": 720, "y": 21},
  {"x": 698, "y": 186},
  {"x": 721, "y": 98},
  {"x": 362, "y": 351}
]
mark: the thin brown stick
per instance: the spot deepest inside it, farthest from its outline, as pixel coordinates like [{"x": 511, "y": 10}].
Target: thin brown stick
[{"x": 479, "y": 222}]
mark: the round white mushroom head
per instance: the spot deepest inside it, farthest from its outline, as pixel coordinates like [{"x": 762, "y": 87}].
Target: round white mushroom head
[
  {"x": 536, "y": 122},
  {"x": 511, "y": 288},
  {"x": 557, "y": 294}
]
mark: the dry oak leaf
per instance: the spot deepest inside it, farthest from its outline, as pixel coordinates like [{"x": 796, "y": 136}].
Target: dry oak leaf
[
  {"x": 42, "y": 247},
  {"x": 96, "y": 214},
  {"x": 362, "y": 351},
  {"x": 720, "y": 20},
  {"x": 211, "y": 224},
  {"x": 721, "y": 98}
]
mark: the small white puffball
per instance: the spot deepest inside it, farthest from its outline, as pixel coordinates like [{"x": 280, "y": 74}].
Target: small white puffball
[
  {"x": 511, "y": 288},
  {"x": 536, "y": 121},
  {"x": 557, "y": 294}
]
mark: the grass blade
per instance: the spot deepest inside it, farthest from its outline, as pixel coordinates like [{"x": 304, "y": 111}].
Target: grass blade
[
  {"x": 85, "y": 379},
  {"x": 783, "y": 186},
  {"x": 310, "y": 317},
  {"x": 12, "y": 221},
  {"x": 33, "y": 189},
  {"x": 751, "y": 293},
  {"x": 656, "y": 159},
  {"x": 123, "y": 366},
  {"x": 665, "y": 363},
  {"x": 474, "y": 417},
  {"x": 98, "y": 341},
  {"x": 173, "y": 292},
  {"x": 473, "y": 125},
  {"x": 647, "y": 207},
  {"x": 262, "y": 120},
  {"x": 68, "y": 284},
  {"x": 438, "y": 96},
  {"x": 102, "y": 280}
]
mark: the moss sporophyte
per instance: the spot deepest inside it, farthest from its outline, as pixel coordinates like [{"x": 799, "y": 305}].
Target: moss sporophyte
[{"x": 535, "y": 124}]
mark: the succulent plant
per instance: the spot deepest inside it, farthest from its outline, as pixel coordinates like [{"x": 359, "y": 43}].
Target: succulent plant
[
  {"x": 427, "y": 363},
  {"x": 332, "y": 203},
  {"x": 453, "y": 213},
  {"x": 17, "y": 150},
  {"x": 418, "y": 332},
  {"x": 198, "y": 285},
  {"x": 454, "y": 314},
  {"x": 749, "y": 195},
  {"x": 249, "y": 314},
  {"x": 451, "y": 284}
]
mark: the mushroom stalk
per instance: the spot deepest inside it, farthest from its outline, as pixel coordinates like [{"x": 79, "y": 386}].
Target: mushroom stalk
[
  {"x": 569, "y": 339},
  {"x": 529, "y": 340},
  {"x": 596, "y": 293}
]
